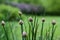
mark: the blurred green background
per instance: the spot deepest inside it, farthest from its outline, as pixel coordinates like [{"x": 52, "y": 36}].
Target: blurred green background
[
  {"x": 8, "y": 13},
  {"x": 50, "y": 5}
]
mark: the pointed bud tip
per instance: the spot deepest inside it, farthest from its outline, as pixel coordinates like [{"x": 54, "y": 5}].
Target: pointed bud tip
[
  {"x": 20, "y": 22},
  {"x": 3, "y": 23},
  {"x": 43, "y": 19},
  {"x": 53, "y": 22},
  {"x": 30, "y": 19},
  {"x": 24, "y": 34},
  {"x": 20, "y": 13}
]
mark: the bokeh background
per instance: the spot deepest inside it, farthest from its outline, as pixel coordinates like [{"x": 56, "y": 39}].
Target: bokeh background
[{"x": 9, "y": 13}]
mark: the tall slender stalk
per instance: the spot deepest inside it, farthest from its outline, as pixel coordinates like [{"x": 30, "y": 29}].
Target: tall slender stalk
[
  {"x": 22, "y": 31},
  {"x": 52, "y": 33},
  {"x": 53, "y": 29},
  {"x": 42, "y": 32},
  {"x": 5, "y": 33},
  {"x": 3, "y": 24},
  {"x": 32, "y": 27},
  {"x": 12, "y": 32},
  {"x": 36, "y": 28},
  {"x": 29, "y": 31},
  {"x": 21, "y": 23},
  {"x": 41, "y": 35},
  {"x": 32, "y": 31}
]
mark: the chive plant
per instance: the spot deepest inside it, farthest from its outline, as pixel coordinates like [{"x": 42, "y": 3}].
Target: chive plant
[
  {"x": 36, "y": 28},
  {"x": 53, "y": 29},
  {"x": 11, "y": 30},
  {"x": 24, "y": 35},
  {"x": 21, "y": 23},
  {"x": 3, "y": 23},
  {"x": 41, "y": 35},
  {"x": 32, "y": 27}
]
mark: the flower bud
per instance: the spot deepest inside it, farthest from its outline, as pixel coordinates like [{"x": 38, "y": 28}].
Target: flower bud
[
  {"x": 3, "y": 23},
  {"x": 43, "y": 19},
  {"x": 20, "y": 22},
  {"x": 24, "y": 34},
  {"x": 20, "y": 13},
  {"x": 30, "y": 19},
  {"x": 53, "y": 22}
]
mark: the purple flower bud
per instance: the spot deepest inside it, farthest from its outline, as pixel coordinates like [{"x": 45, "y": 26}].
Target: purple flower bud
[
  {"x": 20, "y": 22},
  {"x": 24, "y": 34},
  {"x": 53, "y": 22},
  {"x": 30, "y": 19},
  {"x": 20, "y": 13},
  {"x": 43, "y": 19},
  {"x": 3, "y": 23}
]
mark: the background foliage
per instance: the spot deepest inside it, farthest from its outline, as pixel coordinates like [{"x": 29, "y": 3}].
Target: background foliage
[
  {"x": 8, "y": 12},
  {"x": 51, "y": 6}
]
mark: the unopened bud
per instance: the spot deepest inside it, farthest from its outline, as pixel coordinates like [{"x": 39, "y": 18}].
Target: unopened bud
[
  {"x": 30, "y": 19},
  {"x": 53, "y": 22},
  {"x": 20, "y": 22},
  {"x": 3, "y": 23},
  {"x": 43, "y": 19},
  {"x": 24, "y": 34},
  {"x": 20, "y": 13}
]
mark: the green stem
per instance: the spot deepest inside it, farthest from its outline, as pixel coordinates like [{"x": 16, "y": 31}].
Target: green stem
[
  {"x": 29, "y": 31},
  {"x": 5, "y": 33},
  {"x": 35, "y": 33},
  {"x": 22, "y": 31},
  {"x": 52, "y": 33},
  {"x": 41, "y": 37},
  {"x": 32, "y": 31},
  {"x": 12, "y": 33},
  {"x": 24, "y": 38}
]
